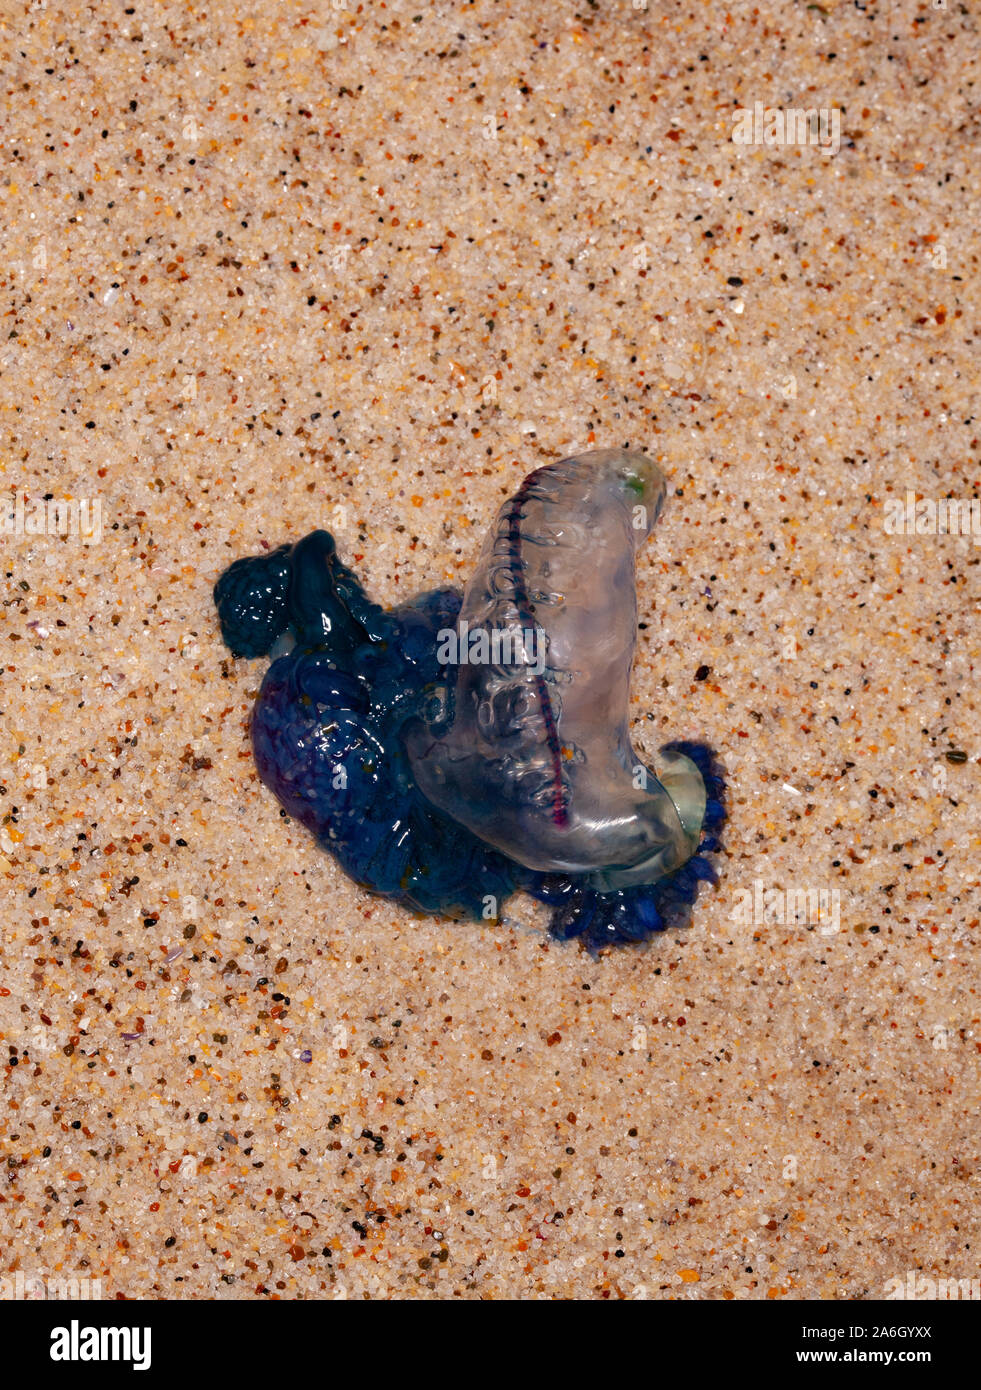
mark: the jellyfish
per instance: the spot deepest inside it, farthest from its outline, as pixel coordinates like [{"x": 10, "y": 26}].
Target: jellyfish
[{"x": 460, "y": 747}]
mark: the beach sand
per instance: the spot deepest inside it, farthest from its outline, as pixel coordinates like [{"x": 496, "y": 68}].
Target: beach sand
[{"x": 364, "y": 268}]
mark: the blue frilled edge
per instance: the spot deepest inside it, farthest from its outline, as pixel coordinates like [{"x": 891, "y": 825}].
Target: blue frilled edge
[{"x": 629, "y": 916}]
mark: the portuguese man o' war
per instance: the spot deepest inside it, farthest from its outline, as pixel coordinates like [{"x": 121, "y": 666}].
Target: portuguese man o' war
[{"x": 462, "y": 747}]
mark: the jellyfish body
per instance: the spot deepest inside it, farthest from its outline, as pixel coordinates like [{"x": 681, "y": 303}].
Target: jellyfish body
[
  {"x": 460, "y": 747},
  {"x": 535, "y": 756}
]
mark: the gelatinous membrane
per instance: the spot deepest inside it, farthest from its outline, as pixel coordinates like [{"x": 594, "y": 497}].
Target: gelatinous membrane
[
  {"x": 536, "y": 758},
  {"x": 449, "y": 751}
]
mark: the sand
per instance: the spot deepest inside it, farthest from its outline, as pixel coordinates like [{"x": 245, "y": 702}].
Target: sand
[{"x": 364, "y": 268}]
